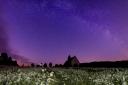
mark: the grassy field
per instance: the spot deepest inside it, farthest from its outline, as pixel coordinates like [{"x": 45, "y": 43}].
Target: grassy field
[{"x": 83, "y": 76}]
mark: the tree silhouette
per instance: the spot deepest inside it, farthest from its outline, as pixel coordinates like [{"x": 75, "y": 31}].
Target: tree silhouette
[
  {"x": 38, "y": 66},
  {"x": 45, "y": 65},
  {"x": 14, "y": 63},
  {"x": 60, "y": 65},
  {"x": 41, "y": 64},
  {"x": 56, "y": 65},
  {"x": 10, "y": 59},
  {"x": 32, "y": 65},
  {"x": 5, "y": 60},
  {"x": 50, "y": 64}
]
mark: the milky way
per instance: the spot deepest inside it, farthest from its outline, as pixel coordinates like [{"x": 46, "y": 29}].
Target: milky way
[{"x": 49, "y": 30}]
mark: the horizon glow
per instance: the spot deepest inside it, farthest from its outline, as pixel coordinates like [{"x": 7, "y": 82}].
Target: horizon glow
[{"x": 48, "y": 31}]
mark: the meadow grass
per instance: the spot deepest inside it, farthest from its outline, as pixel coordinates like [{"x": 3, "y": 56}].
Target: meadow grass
[{"x": 59, "y": 76}]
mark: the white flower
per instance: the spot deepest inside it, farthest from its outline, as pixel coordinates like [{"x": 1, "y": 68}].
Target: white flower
[
  {"x": 42, "y": 83},
  {"x": 43, "y": 70},
  {"x": 49, "y": 80},
  {"x": 51, "y": 74},
  {"x": 124, "y": 82}
]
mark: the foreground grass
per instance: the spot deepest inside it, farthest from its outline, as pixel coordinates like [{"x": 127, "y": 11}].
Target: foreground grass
[{"x": 86, "y": 76}]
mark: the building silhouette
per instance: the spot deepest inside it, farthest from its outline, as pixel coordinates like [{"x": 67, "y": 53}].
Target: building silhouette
[
  {"x": 71, "y": 62},
  {"x": 74, "y": 62}
]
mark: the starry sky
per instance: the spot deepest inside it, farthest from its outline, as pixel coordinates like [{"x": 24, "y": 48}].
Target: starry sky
[{"x": 49, "y": 30}]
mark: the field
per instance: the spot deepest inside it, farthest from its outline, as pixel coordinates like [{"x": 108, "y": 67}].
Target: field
[{"x": 83, "y": 76}]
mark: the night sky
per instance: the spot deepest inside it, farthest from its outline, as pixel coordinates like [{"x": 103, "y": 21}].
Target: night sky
[{"x": 50, "y": 30}]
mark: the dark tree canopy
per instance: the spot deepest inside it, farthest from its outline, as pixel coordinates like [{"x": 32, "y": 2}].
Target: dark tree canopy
[
  {"x": 45, "y": 65},
  {"x": 32, "y": 65},
  {"x": 5, "y": 60},
  {"x": 50, "y": 64}
]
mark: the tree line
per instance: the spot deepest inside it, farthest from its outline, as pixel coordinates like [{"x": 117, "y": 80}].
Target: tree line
[{"x": 7, "y": 61}]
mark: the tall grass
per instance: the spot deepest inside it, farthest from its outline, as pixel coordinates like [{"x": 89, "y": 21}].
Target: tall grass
[{"x": 84, "y": 76}]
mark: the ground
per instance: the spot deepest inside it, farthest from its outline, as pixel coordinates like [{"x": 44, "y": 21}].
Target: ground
[{"x": 58, "y": 76}]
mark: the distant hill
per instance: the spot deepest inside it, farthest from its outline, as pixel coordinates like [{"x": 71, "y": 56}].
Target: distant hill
[
  {"x": 74, "y": 62},
  {"x": 105, "y": 64}
]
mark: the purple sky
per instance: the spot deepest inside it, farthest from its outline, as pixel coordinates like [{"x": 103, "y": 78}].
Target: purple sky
[{"x": 50, "y": 30}]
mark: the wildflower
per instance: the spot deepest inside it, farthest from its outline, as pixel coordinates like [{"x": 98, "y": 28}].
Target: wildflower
[
  {"x": 124, "y": 81},
  {"x": 51, "y": 74},
  {"x": 43, "y": 70}
]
